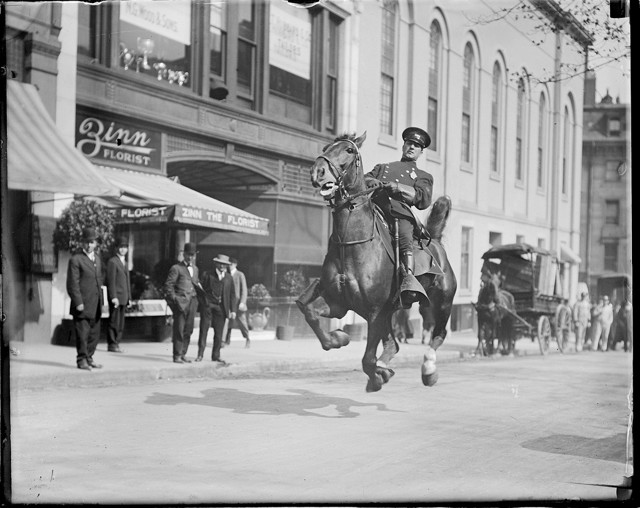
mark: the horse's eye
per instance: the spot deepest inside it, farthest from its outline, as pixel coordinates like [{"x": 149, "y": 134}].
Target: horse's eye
[{"x": 349, "y": 150}]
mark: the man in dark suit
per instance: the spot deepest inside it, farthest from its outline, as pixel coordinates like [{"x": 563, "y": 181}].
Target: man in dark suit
[
  {"x": 180, "y": 293},
  {"x": 118, "y": 294},
  {"x": 406, "y": 186},
  {"x": 84, "y": 285},
  {"x": 217, "y": 308}
]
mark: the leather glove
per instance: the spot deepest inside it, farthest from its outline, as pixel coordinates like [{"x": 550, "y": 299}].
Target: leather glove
[{"x": 373, "y": 183}]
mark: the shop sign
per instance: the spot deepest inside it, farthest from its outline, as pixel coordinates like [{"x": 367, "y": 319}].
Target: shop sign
[
  {"x": 290, "y": 41},
  {"x": 168, "y": 19},
  {"x": 143, "y": 214},
  {"x": 210, "y": 218},
  {"x": 111, "y": 141}
]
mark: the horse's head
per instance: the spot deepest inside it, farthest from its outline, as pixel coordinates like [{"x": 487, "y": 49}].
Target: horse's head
[{"x": 339, "y": 168}]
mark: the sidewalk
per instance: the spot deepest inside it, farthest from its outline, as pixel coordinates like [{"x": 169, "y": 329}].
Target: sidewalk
[{"x": 46, "y": 366}]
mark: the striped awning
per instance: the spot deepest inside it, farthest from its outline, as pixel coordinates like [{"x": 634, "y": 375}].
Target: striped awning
[
  {"x": 38, "y": 157},
  {"x": 150, "y": 198}
]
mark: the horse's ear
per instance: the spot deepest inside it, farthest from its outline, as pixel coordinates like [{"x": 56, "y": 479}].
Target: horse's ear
[{"x": 358, "y": 141}]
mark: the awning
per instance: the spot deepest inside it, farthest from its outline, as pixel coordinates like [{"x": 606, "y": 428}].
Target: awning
[
  {"x": 38, "y": 157},
  {"x": 568, "y": 255},
  {"x": 149, "y": 198}
]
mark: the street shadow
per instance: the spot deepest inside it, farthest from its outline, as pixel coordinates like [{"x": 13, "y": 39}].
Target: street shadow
[
  {"x": 70, "y": 365},
  {"x": 612, "y": 448},
  {"x": 297, "y": 402}
]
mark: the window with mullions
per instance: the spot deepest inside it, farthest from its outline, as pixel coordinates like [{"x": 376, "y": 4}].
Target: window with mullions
[
  {"x": 520, "y": 131},
  {"x": 387, "y": 78},
  {"x": 303, "y": 63},
  {"x": 496, "y": 112},
  {"x": 435, "y": 71},
  {"x": 468, "y": 84},
  {"x": 542, "y": 142}
]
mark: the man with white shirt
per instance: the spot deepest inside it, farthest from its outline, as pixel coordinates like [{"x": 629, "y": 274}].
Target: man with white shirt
[
  {"x": 180, "y": 293},
  {"x": 217, "y": 308},
  {"x": 606, "y": 320},
  {"x": 118, "y": 293},
  {"x": 84, "y": 285},
  {"x": 240, "y": 285}
]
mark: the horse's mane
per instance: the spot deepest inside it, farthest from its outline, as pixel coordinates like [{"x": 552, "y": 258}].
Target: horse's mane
[{"x": 347, "y": 136}]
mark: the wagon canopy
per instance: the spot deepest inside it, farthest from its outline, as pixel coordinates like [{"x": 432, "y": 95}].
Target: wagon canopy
[
  {"x": 515, "y": 249},
  {"x": 524, "y": 268}
]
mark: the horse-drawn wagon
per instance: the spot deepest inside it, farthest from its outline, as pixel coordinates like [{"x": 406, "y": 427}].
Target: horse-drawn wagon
[{"x": 520, "y": 297}]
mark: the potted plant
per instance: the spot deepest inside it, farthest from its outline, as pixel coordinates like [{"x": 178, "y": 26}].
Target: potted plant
[
  {"x": 258, "y": 299},
  {"x": 82, "y": 214},
  {"x": 291, "y": 285}
]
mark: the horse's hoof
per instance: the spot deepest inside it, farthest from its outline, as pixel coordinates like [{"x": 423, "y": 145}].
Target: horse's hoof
[
  {"x": 386, "y": 374},
  {"x": 339, "y": 338},
  {"x": 374, "y": 385},
  {"x": 430, "y": 379}
]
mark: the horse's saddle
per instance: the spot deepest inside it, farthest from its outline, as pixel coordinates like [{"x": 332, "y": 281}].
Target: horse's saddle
[{"x": 425, "y": 261}]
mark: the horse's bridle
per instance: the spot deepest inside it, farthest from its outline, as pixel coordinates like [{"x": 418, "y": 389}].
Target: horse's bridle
[{"x": 339, "y": 177}]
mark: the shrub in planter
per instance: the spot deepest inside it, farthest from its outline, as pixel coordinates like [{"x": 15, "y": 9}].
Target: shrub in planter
[
  {"x": 82, "y": 214},
  {"x": 292, "y": 285}
]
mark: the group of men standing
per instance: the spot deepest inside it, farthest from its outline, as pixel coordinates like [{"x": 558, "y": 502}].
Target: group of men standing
[{"x": 220, "y": 296}]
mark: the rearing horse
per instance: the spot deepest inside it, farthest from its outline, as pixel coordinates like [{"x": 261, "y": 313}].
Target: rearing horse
[{"x": 358, "y": 273}]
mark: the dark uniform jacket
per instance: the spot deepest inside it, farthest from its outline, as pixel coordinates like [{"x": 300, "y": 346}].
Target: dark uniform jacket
[
  {"x": 227, "y": 299},
  {"x": 118, "y": 284},
  {"x": 179, "y": 287},
  {"x": 405, "y": 173},
  {"x": 84, "y": 285}
]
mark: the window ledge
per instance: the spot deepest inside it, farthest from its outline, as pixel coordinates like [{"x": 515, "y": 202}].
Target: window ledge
[
  {"x": 388, "y": 140},
  {"x": 467, "y": 168},
  {"x": 495, "y": 176}
]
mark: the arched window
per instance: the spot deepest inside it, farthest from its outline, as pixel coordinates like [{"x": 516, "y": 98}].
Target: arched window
[
  {"x": 496, "y": 115},
  {"x": 542, "y": 140},
  {"x": 468, "y": 84},
  {"x": 387, "y": 77},
  {"x": 435, "y": 71},
  {"x": 520, "y": 131},
  {"x": 566, "y": 152}
]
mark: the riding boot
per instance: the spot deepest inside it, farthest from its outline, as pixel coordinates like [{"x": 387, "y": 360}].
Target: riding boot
[{"x": 410, "y": 289}]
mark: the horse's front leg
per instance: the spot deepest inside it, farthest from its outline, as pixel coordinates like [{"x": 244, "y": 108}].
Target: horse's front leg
[
  {"x": 313, "y": 305},
  {"x": 379, "y": 373}
]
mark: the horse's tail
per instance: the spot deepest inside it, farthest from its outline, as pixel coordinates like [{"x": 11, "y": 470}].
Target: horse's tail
[{"x": 438, "y": 217}]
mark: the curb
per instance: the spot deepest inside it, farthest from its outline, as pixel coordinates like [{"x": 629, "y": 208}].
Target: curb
[{"x": 151, "y": 375}]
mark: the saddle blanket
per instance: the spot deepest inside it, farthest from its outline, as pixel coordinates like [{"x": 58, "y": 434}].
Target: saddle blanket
[{"x": 425, "y": 262}]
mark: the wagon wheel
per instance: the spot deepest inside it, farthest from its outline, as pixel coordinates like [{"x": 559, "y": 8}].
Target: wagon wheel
[{"x": 544, "y": 334}]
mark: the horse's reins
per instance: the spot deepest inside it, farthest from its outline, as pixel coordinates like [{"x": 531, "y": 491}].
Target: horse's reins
[{"x": 348, "y": 202}]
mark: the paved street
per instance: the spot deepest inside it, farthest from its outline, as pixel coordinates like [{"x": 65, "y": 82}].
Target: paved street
[{"x": 522, "y": 428}]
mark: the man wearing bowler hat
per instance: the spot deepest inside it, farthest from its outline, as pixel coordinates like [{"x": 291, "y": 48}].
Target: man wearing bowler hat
[
  {"x": 405, "y": 186},
  {"x": 84, "y": 285},
  {"x": 118, "y": 293},
  {"x": 217, "y": 308},
  {"x": 180, "y": 293}
]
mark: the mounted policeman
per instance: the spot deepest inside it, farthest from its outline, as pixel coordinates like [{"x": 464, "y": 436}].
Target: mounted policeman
[{"x": 405, "y": 186}]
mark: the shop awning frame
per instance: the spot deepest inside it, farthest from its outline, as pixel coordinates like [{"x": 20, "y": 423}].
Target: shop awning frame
[
  {"x": 150, "y": 198},
  {"x": 39, "y": 158},
  {"x": 568, "y": 255}
]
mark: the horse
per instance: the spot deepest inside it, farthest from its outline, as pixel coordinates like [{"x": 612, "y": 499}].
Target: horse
[
  {"x": 358, "y": 273},
  {"x": 495, "y": 308}
]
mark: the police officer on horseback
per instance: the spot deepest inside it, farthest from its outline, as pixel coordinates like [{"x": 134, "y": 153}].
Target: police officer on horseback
[{"x": 405, "y": 186}]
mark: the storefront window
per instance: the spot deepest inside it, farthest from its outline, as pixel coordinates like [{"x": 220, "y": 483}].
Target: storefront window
[
  {"x": 246, "y": 48},
  {"x": 290, "y": 62},
  {"x": 155, "y": 39},
  {"x": 218, "y": 39}
]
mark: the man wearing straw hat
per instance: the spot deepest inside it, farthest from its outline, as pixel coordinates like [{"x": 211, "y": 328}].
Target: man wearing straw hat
[{"x": 217, "y": 308}]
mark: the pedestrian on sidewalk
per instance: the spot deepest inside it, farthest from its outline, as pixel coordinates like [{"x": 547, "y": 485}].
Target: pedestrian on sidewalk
[
  {"x": 595, "y": 330},
  {"x": 217, "y": 308},
  {"x": 581, "y": 319},
  {"x": 606, "y": 318},
  {"x": 180, "y": 293},
  {"x": 240, "y": 286},
  {"x": 118, "y": 293},
  {"x": 84, "y": 285}
]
